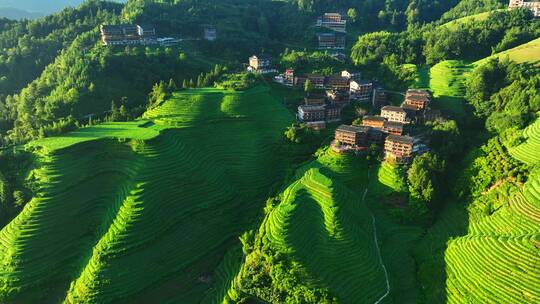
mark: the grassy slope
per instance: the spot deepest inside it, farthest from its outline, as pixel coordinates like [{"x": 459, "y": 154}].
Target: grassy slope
[
  {"x": 116, "y": 219},
  {"x": 493, "y": 258},
  {"x": 528, "y": 52},
  {"x": 454, "y": 24},
  {"x": 326, "y": 222}
]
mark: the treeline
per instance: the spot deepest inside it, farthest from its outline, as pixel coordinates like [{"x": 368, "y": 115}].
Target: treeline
[
  {"x": 29, "y": 46},
  {"x": 433, "y": 43},
  {"x": 506, "y": 94},
  {"x": 85, "y": 79},
  {"x": 15, "y": 188}
]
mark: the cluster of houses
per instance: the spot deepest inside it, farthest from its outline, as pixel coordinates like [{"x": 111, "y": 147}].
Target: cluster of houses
[
  {"x": 389, "y": 128},
  {"x": 533, "y": 6},
  {"x": 337, "y": 91},
  {"x": 335, "y": 38},
  {"x": 134, "y": 34}
]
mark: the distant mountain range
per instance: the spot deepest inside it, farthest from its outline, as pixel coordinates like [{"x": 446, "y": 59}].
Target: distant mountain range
[
  {"x": 17, "y": 9},
  {"x": 15, "y": 13}
]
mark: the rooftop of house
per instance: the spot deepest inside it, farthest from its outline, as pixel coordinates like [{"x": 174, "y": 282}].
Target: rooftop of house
[
  {"x": 315, "y": 96},
  {"x": 311, "y": 108},
  {"x": 363, "y": 82},
  {"x": 408, "y": 107},
  {"x": 374, "y": 118},
  {"x": 333, "y": 106},
  {"x": 112, "y": 27},
  {"x": 406, "y": 140},
  {"x": 352, "y": 129},
  {"x": 393, "y": 109},
  {"x": 393, "y": 124}
]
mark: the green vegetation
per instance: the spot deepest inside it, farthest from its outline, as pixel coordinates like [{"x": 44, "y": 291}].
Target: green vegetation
[
  {"x": 327, "y": 230},
  {"x": 145, "y": 170},
  {"x": 455, "y": 24},
  {"x": 528, "y": 52},
  {"x": 130, "y": 175}
]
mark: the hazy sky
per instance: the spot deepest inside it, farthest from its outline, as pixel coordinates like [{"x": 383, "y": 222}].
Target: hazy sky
[{"x": 40, "y": 6}]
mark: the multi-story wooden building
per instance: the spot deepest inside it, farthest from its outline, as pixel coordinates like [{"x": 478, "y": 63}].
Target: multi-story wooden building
[
  {"x": 127, "y": 34},
  {"x": 373, "y": 121},
  {"x": 379, "y": 98},
  {"x": 337, "y": 82},
  {"x": 399, "y": 148},
  {"x": 334, "y": 41},
  {"x": 261, "y": 64},
  {"x": 333, "y": 21},
  {"x": 533, "y": 6},
  {"x": 289, "y": 76},
  {"x": 338, "y": 97},
  {"x": 316, "y": 80},
  {"x": 419, "y": 99},
  {"x": 311, "y": 113},
  {"x": 313, "y": 99},
  {"x": 352, "y": 75},
  {"x": 332, "y": 113},
  {"x": 393, "y": 113},
  {"x": 361, "y": 90},
  {"x": 394, "y": 128},
  {"x": 352, "y": 135}
]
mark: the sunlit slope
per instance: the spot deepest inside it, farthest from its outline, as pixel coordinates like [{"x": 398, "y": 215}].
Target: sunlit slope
[
  {"x": 497, "y": 261},
  {"x": 328, "y": 220},
  {"x": 528, "y": 52},
  {"x": 119, "y": 220},
  {"x": 455, "y": 24},
  {"x": 529, "y": 151}
]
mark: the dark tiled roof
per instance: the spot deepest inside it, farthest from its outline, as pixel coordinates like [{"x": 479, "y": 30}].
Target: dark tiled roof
[
  {"x": 393, "y": 124},
  {"x": 407, "y": 140},
  {"x": 392, "y": 109},
  {"x": 352, "y": 129},
  {"x": 374, "y": 118}
]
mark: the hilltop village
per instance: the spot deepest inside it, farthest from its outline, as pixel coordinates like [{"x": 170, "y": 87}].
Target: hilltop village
[{"x": 327, "y": 96}]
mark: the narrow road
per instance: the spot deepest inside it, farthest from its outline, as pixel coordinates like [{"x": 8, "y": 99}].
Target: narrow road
[{"x": 374, "y": 223}]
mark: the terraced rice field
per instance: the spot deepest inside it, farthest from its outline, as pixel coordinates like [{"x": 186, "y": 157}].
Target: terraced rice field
[
  {"x": 447, "y": 82},
  {"x": 331, "y": 221},
  {"x": 497, "y": 261},
  {"x": 144, "y": 210},
  {"x": 529, "y": 151}
]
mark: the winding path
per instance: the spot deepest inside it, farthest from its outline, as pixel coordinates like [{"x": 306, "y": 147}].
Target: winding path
[{"x": 378, "y": 248}]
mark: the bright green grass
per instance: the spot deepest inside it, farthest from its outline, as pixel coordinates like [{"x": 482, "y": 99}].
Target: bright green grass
[
  {"x": 455, "y": 24},
  {"x": 325, "y": 222},
  {"x": 447, "y": 82},
  {"x": 121, "y": 130},
  {"x": 119, "y": 221},
  {"x": 497, "y": 261},
  {"x": 528, "y": 52},
  {"x": 529, "y": 151}
]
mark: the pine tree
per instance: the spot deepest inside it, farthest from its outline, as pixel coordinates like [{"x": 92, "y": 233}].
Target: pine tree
[
  {"x": 185, "y": 84},
  {"x": 172, "y": 86}
]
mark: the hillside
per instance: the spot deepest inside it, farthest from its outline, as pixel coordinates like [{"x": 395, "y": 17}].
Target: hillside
[
  {"x": 528, "y": 52},
  {"x": 139, "y": 192},
  {"x": 330, "y": 225},
  {"x": 454, "y": 24}
]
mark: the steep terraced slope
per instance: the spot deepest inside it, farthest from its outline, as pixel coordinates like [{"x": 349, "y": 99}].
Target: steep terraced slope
[
  {"x": 331, "y": 221},
  {"x": 144, "y": 210}
]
